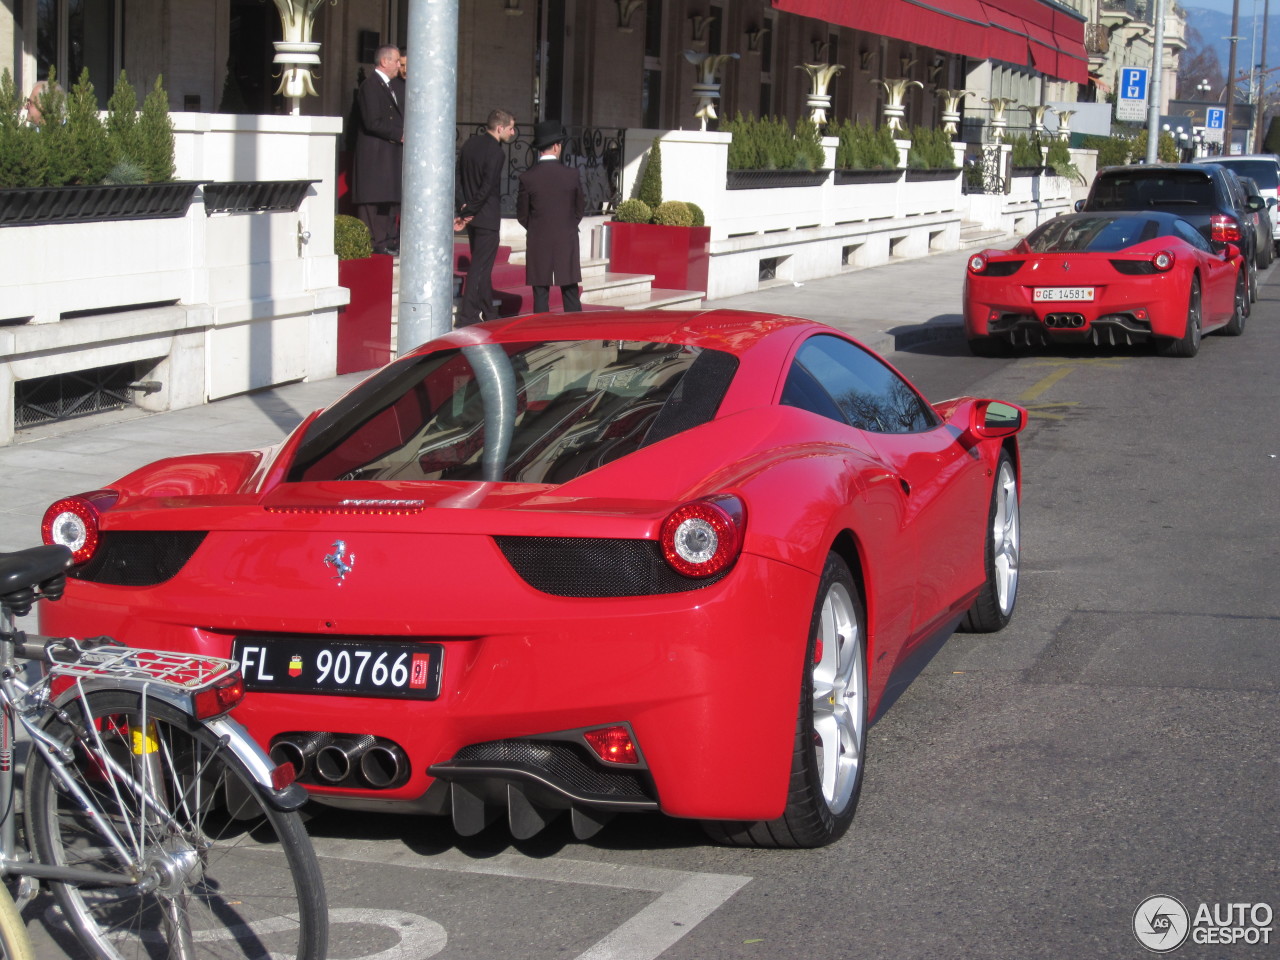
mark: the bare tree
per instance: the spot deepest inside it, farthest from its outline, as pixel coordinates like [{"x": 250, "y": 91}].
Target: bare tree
[{"x": 1199, "y": 62}]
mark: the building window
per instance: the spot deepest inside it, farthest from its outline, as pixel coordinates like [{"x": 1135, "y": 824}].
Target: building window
[
  {"x": 74, "y": 34},
  {"x": 766, "y": 67},
  {"x": 651, "y": 83}
]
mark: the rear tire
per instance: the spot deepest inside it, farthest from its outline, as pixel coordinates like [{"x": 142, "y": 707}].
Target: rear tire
[
  {"x": 223, "y": 873},
  {"x": 830, "y": 748},
  {"x": 1235, "y": 326},
  {"x": 1188, "y": 345},
  {"x": 14, "y": 942}
]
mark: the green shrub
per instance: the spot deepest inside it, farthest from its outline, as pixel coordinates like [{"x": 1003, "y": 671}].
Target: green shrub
[
  {"x": 864, "y": 148},
  {"x": 809, "y": 152},
  {"x": 673, "y": 213},
  {"x": 155, "y": 136},
  {"x": 650, "y": 190},
  {"x": 55, "y": 141},
  {"x": 1027, "y": 151},
  {"x": 22, "y": 156},
  {"x": 633, "y": 211},
  {"x": 1271, "y": 142},
  {"x": 930, "y": 150},
  {"x": 125, "y": 170},
  {"x": 351, "y": 240},
  {"x": 770, "y": 143},
  {"x": 695, "y": 211},
  {"x": 87, "y": 137},
  {"x": 1059, "y": 160}
]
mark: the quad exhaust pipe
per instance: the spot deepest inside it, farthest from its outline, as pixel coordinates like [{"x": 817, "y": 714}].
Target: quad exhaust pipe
[
  {"x": 337, "y": 759},
  {"x": 1064, "y": 321}
]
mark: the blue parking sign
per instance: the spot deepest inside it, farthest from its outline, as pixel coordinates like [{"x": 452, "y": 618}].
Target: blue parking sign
[
  {"x": 1215, "y": 118},
  {"x": 1133, "y": 83}
]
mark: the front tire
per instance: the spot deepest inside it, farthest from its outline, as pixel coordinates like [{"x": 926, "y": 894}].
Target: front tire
[
  {"x": 993, "y": 607},
  {"x": 219, "y": 871},
  {"x": 830, "y": 747}
]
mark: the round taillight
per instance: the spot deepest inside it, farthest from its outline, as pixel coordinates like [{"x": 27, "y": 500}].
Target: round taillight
[
  {"x": 702, "y": 538},
  {"x": 73, "y": 523},
  {"x": 977, "y": 263},
  {"x": 1162, "y": 261}
]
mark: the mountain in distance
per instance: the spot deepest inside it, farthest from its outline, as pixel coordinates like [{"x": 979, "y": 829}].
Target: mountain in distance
[{"x": 1211, "y": 19}]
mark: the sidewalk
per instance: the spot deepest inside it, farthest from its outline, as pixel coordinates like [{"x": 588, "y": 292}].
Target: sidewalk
[{"x": 887, "y": 307}]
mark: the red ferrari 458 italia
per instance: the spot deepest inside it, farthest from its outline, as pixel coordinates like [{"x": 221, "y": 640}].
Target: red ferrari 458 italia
[
  {"x": 1106, "y": 278},
  {"x": 587, "y": 563}
]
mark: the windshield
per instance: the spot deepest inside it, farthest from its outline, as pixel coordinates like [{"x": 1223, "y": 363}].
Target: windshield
[
  {"x": 1265, "y": 172},
  {"x": 1140, "y": 190},
  {"x": 542, "y": 412},
  {"x": 1106, "y": 234}
]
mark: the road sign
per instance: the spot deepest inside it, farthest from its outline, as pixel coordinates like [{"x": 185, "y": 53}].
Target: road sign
[
  {"x": 1131, "y": 104},
  {"x": 1215, "y": 120}
]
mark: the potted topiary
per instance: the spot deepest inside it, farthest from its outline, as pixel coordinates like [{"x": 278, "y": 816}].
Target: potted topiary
[
  {"x": 74, "y": 170},
  {"x": 866, "y": 155},
  {"x": 364, "y": 324},
  {"x": 1028, "y": 156},
  {"x": 668, "y": 240}
]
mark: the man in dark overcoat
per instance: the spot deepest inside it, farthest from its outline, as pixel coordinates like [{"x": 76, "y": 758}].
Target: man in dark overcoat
[
  {"x": 480, "y": 168},
  {"x": 549, "y": 206},
  {"x": 379, "y": 153}
]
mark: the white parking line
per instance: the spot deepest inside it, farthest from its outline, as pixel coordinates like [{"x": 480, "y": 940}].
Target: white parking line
[{"x": 685, "y": 898}]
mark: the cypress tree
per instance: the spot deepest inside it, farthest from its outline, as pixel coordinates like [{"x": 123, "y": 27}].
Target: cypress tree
[
  {"x": 55, "y": 141},
  {"x": 22, "y": 159},
  {"x": 155, "y": 136},
  {"x": 87, "y": 137},
  {"x": 651, "y": 183},
  {"x": 122, "y": 121},
  {"x": 1271, "y": 142}
]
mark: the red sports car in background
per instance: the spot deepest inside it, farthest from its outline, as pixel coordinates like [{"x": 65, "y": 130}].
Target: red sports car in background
[
  {"x": 587, "y": 563},
  {"x": 1106, "y": 278}
]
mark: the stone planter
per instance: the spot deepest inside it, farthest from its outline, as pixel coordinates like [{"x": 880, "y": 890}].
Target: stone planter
[
  {"x": 364, "y": 325},
  {"x": 946, "y": 173},
  {"x": 845, "y": 177},
  {"x": 255, "y": 196},
  {"x": 677, "y": 257},
  {"x": 1028, "y": 171},
  {"x": 764, "y": 179},
  {"x": 31, "y": 206}
]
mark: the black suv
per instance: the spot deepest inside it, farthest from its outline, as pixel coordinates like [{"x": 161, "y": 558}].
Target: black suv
[{"x": 1207, "y": 195}]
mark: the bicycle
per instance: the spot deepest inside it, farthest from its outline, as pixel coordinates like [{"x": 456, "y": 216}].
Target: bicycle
[{"x": 160, "y": 826}]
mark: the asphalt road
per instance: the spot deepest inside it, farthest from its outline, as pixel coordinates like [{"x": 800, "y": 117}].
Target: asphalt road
[{"x": 1026, "y": 790}]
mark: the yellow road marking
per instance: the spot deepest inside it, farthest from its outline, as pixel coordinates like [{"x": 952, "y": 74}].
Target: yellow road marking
[{"x": 1032, "y": 392}]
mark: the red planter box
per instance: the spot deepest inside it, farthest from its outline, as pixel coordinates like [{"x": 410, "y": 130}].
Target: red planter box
[
  {"x": 676, "y": 256},
  {"x": 364, "y": 325}
]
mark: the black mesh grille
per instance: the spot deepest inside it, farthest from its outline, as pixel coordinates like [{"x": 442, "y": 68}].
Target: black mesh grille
[
  {"x": 1002, "y": 268},
  {"x": 595, "y": 567},
  {"x": 140, "y": 558},
  {"x": 565, "y": 764}
]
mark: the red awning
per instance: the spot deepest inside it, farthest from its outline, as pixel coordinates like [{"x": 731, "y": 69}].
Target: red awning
[{"x": 1024, "y": 32}]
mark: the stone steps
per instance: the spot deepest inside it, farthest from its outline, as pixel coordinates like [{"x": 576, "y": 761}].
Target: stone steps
[{"x": 975, "y": 235}]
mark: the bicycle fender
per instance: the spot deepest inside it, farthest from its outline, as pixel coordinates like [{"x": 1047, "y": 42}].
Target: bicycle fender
[{"x": 256, "y": 761}]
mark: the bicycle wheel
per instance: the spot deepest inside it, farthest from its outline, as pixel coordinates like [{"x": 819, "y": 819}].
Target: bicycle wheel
[
  {"x": 220, "y": 872},
  {"x": 14, "y": 944}
]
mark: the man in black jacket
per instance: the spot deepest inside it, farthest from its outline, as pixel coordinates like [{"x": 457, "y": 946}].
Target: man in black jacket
[
  {"x": 549, "y": 206},
  {"x": 380, "y": 153},
  {"x": 480, "y": 169}
]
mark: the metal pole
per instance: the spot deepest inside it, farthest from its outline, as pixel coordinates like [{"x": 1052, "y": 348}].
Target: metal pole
[
  {"x": 1231, "y": 79},
  {"x": 1157, "y": 68},
  {"x": 426, "y": 228},
  {"x": 1262, "y": 81}
]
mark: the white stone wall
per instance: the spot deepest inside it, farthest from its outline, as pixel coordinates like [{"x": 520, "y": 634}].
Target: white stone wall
[{"x": 246, "y": 300}]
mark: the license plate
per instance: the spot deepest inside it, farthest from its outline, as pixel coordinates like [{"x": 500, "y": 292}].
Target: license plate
[
  {"x": 1062, "y": 293},
  {"x": 340, "y": 666}
]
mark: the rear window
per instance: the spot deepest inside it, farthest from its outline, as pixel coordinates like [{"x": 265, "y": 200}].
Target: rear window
[
  {"x": 1106, "y": 234},
  {"x": 1265, "y": 172},
  {"x": 543, "y": 412},
  {"x": 1141, "y": 190}
]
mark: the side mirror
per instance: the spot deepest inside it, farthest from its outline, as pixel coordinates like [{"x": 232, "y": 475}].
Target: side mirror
[
  {"x": 1230, "y": 251},
  {"x": 1257, "y": 204},
  {"x": 1079, "y": 206},
  {"x": 993, "y": 419},
  {"x": 1273, "y": 202}
]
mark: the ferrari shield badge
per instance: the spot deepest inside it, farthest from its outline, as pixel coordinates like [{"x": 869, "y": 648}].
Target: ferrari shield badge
[{"x": 340, "y": 560}]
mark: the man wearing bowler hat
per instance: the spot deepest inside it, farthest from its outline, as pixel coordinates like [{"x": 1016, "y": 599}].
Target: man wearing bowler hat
[{"x": 549, "y": 206}]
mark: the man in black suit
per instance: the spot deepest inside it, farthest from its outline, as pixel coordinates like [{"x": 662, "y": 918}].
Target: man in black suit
[
  {"x": 380, "y": 153},
  {"x": 480, "y": 168},
  {"x": 549, "y": 206}
]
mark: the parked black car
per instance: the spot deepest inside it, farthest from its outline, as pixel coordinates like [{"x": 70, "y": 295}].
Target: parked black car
[
  {"x": 1210, "y": 196},
  {"x": 1262, "y": 221}
]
